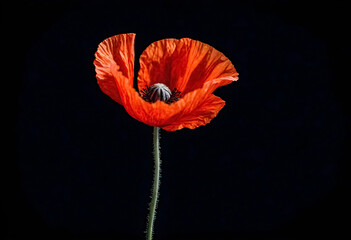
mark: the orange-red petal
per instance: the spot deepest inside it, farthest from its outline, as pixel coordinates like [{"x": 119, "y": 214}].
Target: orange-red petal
[
  {"x": 203, "y": 114},
  {"x": 198, "y": 107},
  {"x": 184, "y": 64},
  {"x": 115, "y": 54},
  {"x": 156, "y": 64}
]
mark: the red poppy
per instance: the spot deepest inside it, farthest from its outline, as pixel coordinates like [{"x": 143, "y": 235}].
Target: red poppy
[{"x": 176, "y": 80}]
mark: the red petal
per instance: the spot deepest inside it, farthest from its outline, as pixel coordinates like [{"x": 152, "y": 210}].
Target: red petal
[
  {"x": 198, "y": 107},
  {"x": 115, "y": 54},
  {"x": 156, "y": 63},
  {"x": 184, "y": 64},
  {"x": 200, "y": 116}
]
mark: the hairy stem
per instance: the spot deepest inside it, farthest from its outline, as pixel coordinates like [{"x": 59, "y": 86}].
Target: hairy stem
[{"x": 156, "y": 185}]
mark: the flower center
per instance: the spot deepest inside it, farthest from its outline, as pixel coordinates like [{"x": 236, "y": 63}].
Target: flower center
[{"x": 161, "y": 92}]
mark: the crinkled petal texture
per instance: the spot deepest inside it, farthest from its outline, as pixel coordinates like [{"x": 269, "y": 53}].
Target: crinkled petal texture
[
  {"x": 194, "y": 68},
  {"x": 115, "y": 54},
  {"x": 184, "y": 64}
]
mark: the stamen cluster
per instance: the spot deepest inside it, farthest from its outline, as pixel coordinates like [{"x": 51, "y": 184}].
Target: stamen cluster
[{"x": 161, "y": 92}]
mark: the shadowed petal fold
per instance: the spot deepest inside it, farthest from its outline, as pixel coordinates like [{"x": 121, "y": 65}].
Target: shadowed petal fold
[{"x": 156, "y": 63}]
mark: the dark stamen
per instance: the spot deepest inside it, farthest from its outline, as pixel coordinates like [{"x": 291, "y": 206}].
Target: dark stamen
[
  {"x": 174, "y": 96},
  {"x": 159, "y": 91}
]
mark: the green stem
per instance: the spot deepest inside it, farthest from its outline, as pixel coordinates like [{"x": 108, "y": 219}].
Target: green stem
[{"x": 156, "y": 184}]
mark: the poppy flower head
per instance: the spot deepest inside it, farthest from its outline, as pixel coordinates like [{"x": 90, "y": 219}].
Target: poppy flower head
[{"x": 176, "y": 80}]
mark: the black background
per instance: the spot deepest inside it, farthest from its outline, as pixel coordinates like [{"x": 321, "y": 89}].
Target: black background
[{"x": 271, "y": 165}]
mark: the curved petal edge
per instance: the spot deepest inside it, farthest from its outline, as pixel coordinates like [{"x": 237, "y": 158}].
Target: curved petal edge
[{"x": 115, "y": 54}]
